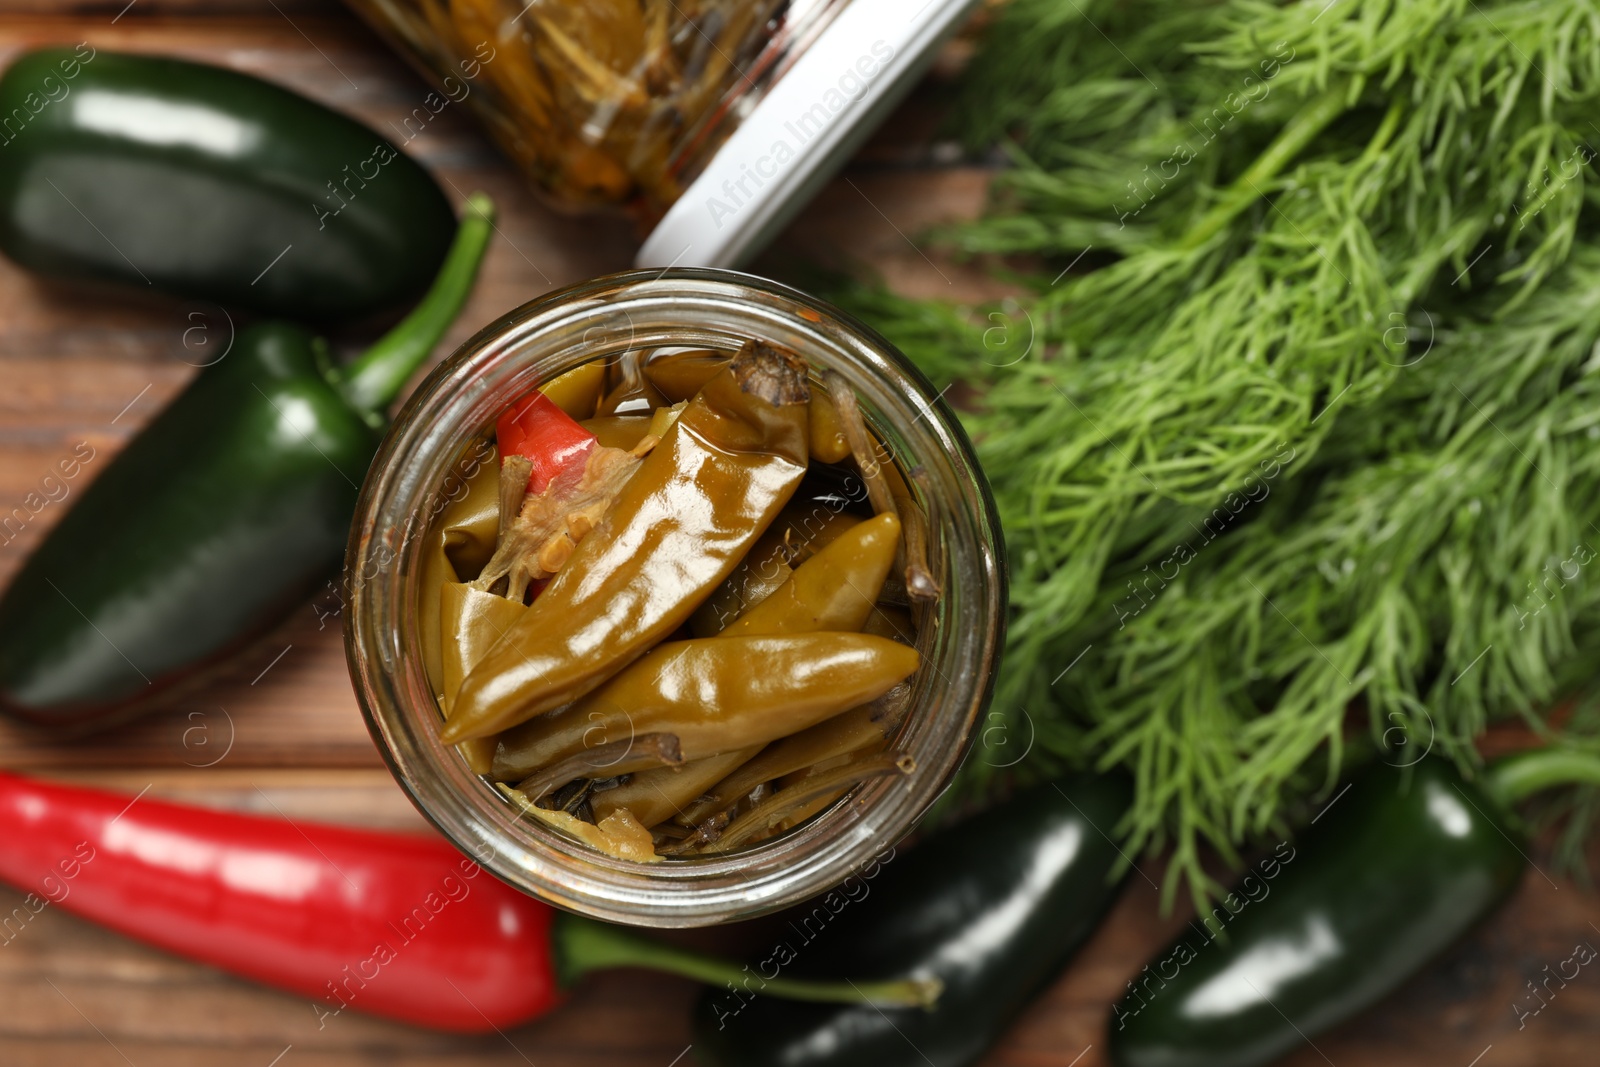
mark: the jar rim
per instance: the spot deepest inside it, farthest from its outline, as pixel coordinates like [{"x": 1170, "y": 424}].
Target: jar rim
[{"x": 405, "y": 488}]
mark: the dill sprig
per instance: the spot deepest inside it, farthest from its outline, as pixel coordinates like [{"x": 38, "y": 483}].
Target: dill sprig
[{"x": 1343, "y": 281}]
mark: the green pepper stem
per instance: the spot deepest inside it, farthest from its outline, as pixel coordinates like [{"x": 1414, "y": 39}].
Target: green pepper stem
[
  {"x": 1520, "y": 775},
  {"x": 584, "y": 945},
  {"x": 371, "y": 383},
  {"x": 1246, "y": 189}
]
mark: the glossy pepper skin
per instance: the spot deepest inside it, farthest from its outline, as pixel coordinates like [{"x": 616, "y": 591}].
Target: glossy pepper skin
[
  {"x": 214, "y": 522},
  {"x": 225, "y": 512},
  {"x": 397, "y": 925},
  {"x": 994, "y": 906},
  {"x": 834, "y": 590},
  {"x": 678, "y": 527},
  {"x": 535, "y": 427},
  {"x": 192, "y": 180},
  {"x": 470, "y": 622},
  {"x": 1399, "y": 868},
  {"x": 458, "y": 545},
  {"x": 705, "y": 693},
  {"x": 381, "y": 922}
]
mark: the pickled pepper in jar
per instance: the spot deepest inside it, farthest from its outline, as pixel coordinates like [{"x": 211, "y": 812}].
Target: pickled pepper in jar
[
  {"x": 728, "y": 464},
  {"x": 708, "y": 649}
]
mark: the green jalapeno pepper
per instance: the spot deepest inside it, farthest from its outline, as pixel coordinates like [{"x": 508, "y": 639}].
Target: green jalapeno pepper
[
  {"x": 705, "y": 694},
  {"x": 854, "y": 731},
  {"x": 993, "y": 907},
  {"x": 679, "y": 525},
  {"x": 458, "y": 545},
  {"x": 1394, "y": 869},
  {"x": 794, "y": 537},
  {"x": 656, "y": 795},
  {"x": 204, "y": 182},
  {"x": 833, "y": 590},
  {"x": 679, "y": 375},
  {"x": 470, "y": 622},
  {"x": 217, "y": 520}
]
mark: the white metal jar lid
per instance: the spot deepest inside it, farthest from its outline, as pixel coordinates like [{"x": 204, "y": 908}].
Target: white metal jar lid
[{"x": 808, "y": 123}]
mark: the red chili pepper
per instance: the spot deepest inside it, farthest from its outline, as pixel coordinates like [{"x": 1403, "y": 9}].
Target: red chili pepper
[
  {"x": 534, "y": 427},
  {"x": 397, "y": 925}
]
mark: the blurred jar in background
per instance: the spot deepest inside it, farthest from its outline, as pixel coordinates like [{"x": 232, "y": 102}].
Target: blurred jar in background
[{"x": 710, "y": 121}]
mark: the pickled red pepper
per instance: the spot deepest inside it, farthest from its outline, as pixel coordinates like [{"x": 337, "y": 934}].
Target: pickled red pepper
[
  {"x": 396, "y": 925},
  {"x": 534, "y": 427}
]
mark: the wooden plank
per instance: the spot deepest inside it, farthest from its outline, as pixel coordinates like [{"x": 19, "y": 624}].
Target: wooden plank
[{"x": 71, "y": 988}]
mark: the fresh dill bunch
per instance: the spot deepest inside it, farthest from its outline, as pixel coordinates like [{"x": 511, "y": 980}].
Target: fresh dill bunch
[
  {"x": 1408, "y": 165},
  {"x": 1434, "y": 587},
  {"x": 1140, "y": 113},
  {"x": 1198, "y": 358},
  {"x": 1093, "y": 116}
]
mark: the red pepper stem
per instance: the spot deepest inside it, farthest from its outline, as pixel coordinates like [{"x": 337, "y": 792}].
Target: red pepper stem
[
  {"x": 371, "y": 383},
  {"x": 583, "y": 945},
  {"x": 1520, "y": 775}
]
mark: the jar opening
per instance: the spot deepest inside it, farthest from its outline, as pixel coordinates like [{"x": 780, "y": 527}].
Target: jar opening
[{"x": 427, "y": 458}]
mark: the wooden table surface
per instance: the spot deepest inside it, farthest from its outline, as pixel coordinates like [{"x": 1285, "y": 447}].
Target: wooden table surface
[{"x": 282, "y": 732}]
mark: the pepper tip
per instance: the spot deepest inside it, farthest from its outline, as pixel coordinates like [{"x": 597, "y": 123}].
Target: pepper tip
[
  {"x": 481, "y": 205},
  {"x": 452, "y": 733}
]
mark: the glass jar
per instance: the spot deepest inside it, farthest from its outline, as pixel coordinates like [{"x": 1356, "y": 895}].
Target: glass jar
[
  {"x": 959, "y": 640},
  {"x": 739, "y": 108}
]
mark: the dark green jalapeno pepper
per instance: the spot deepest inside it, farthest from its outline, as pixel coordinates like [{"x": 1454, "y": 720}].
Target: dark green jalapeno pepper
[
  {"x": 1393, "y": 871},
  {"x": 208, "y": 183},
  {"x": 220, "y": 517},
  {"x": 993, "y": 907}
]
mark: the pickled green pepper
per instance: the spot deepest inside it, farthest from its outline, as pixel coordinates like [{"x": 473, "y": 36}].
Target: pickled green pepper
[{"x": 680, "y": 524}]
